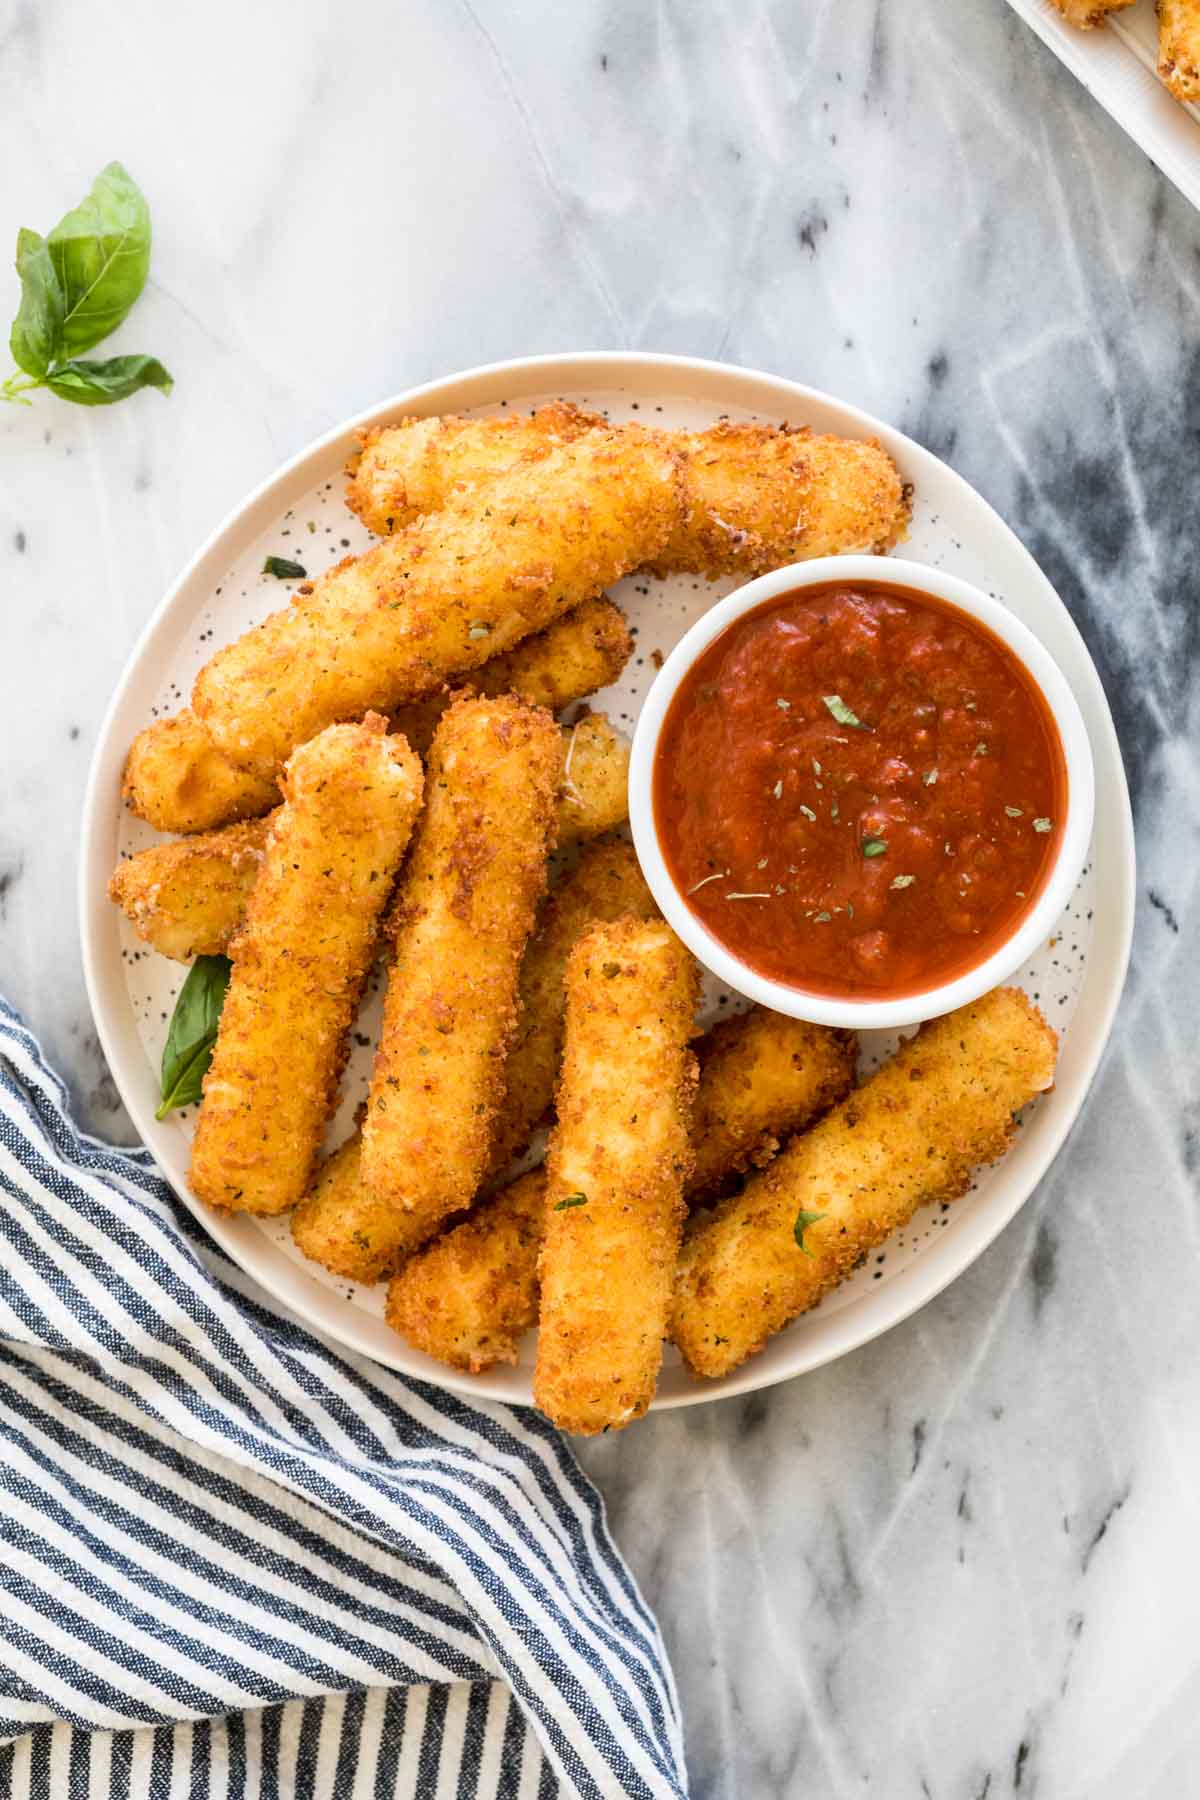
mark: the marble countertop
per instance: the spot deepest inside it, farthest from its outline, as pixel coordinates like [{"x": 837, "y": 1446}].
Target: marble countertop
[{"x": 960, "y": 1563}]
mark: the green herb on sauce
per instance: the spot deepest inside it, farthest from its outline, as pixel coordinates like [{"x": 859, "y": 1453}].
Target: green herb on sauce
[
  {"x": 842, "y": 712},
  {"x": 874, "y": 846},
  {"x": 784, "y": 705},
  {"x": 903, "y": 881},
  {"x": 1043, "y": 825},
  {"x": 929, "y": 777},
  {"x": 809, "y": 813},
  {"x": 1014, "y": 812},
  {"x": 777, "y": 790}
]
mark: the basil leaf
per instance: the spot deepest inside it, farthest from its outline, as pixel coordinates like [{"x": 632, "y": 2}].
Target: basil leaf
[
  {"x": 101, "y": 255},
  {"x": 803, "y": 1221},
  {"x": 874, "y": 846},
  {"x": 100, "y": 383},
  {"x": 193, "y": 1032},
  {"x": 283, "y": 569},
  {"x": 36, "y": 336}
]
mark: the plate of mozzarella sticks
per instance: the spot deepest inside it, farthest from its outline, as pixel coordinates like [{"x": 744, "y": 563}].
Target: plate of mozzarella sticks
[{"x": 376, "y": 968}]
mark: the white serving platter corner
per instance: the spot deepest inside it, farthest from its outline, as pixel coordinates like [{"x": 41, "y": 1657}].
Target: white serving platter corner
[{"x": 1076, "y": 976}]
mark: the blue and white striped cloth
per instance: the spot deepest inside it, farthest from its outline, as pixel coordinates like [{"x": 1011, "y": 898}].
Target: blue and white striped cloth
[{"x": 234, "y": 1562}]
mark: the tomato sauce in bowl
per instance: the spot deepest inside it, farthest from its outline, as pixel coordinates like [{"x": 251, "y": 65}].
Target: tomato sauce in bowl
[{"x": 860, "y": 790}]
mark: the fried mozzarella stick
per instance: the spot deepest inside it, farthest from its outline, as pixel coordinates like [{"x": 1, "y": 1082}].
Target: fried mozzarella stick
[
  {"x": 334, "y": 1225},
  {"x": 412, "y": 467},
  {"x": 187, "y": 898},
  {"x": 1179, "y": 47},
  {"x": 468, "y": 1297},
  {"x": 618, "y": 1161},
  {"x": 464, "y": 909},
  {"x": 1087, "y": 14},
  {"x": 299, "y": 964},
  {"x": 177, "y": 780},
  {"x": 753, "y": 496},
  {"x": 911, "y": 1134},
  {"x": 443, "y": 596}
]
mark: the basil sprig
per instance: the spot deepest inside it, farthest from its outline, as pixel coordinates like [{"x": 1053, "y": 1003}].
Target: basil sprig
[
  {"x": 78, "y": 283},
  {"x": 192, "y": 1032}
]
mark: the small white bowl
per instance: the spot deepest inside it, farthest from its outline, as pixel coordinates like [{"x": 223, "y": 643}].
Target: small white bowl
[{"x": 1037, "y": 924}]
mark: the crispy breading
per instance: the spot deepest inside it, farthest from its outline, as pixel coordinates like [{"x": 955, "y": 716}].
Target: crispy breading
[
  {"x": 412, "y": 466},
  {"x": 464, "y": 910},
  {"x": 188, "y": 898},
  {"x": 753, "y": 496},
  {"x": 1179, "y": 47},
  {"x": 469, "y": 1296},
  {"x": 443, "y": 595},
  {"x": 618, "y": 1160},
  {"x": 913, "y": 1133},
  {"x": 1087, "y": 14},
  {"x": 299, "y": 964},
  {"x": 762, "y": 1077},
  {"x": 177, "y": 780}
]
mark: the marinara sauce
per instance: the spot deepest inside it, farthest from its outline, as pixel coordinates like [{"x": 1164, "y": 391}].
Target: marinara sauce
[{"x": 860, "y": 790}]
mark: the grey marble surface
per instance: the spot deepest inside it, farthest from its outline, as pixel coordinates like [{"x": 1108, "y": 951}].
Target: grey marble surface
[{"x": 963, "y": 1562}]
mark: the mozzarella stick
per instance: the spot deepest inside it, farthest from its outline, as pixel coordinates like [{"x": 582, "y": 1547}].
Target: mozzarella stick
[
  {"x": 188, "y": 898},
  {"x": 444, "y": 595},
  {"x": 753, "y": 496},
  {"x": 1179, "y": 47},
  {"x": 412, "y": 467},
  {"x": 299, "y": 964},
  {"x": 912, "y": 1134},
  {"x": 618, "y": 1161},
  {"x": 464, "y": 909},
  {"x": 177, "y": 780},
  {"x": 1087, "y": 14},
  {"x": 337, "y": 1224},
  {"x": 468, "y": 1297}
]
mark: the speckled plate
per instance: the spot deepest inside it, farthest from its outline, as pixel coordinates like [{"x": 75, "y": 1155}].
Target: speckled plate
[{"x": 1076, "y": 977}]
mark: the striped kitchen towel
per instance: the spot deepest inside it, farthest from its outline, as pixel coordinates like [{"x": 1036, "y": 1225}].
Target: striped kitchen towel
[{"x": 234, "y": 1562}]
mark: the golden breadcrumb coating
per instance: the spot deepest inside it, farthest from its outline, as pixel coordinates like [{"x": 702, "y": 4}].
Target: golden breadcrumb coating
[
  {"x": 470, "y": 1295},
  {"x": 464, "y": 910},
  {"x": 1179, "y": 47},
  {"x": 753, "y": 496},
  {"x": 299, "y": 963},
  {"x": 763, "y": 1077},
  {"x": 1087, "y": 14},
  {"x": 413, "y": 466},
  {"x": 187, "y": 899},
  {"x": 618, "y": 1160},
  {"x": 913, "y": 1133},
  {"x": 444, "y": 595},
  {"x": 177, "y": 780}
]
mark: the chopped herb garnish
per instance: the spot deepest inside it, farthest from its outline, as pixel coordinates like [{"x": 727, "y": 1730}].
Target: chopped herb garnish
[
  {"x": 761, "y": 863},
  {"x": 284, "y": 569},
  {"x": 822, "y": 918},
  {"x": 777, "y": 790},
  {"x": 981, "y": 749},
  {"x": 803, "y": 1221},
  {"x": 833, "y": 810},
  {"x": 570, "y": 1200},
  {"x": 816, "y": 766},
  {"x": 809, "y": 813},
  {"x": 1043, "y": 825},
  {"x": 929, "y": 777},
  {"x": 842, "y": 712},
  {"x": 874, "y": 846},
  {"x": 1014, "y": 812},
  {"x": 849, "y": 910},
  {"x": 784, "y": 705},
  {"x": 903, "y": 881}
]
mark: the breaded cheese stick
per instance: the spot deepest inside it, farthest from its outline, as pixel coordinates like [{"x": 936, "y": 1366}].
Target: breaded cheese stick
[
  {"x": 464, "y": 909},
  {"x": 411, "y": 467},
  {"x": 177, "y": 780},
  {"x": 753, "y": 496},
  {"x": 1179, "y": 47},
  {"x": 468, "y": 1297},
  {"x": 299, "y": 964},
  {"x": 188, "y": 898},
  {"x": 335, "y": 1224},
  {"x": 618, "y": 1161},
  {"x": 443, "y": 596},
  {"x": 1086, "y": 14},
  {"x": 911, "y": 1134}
]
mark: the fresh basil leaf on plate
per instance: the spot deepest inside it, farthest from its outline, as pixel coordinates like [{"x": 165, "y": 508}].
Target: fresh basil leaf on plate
[
  {"x": 100, "y": 383},
  {"x": 192, "y": 1032},
  {"x": 36, "y": 337},
  {"x": 101, "y": 255},
  {"x": 284, "y": 569}
]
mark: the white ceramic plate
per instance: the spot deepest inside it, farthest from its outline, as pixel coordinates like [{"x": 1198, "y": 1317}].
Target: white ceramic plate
[
  {"x": 1117, "y": 63},
  {"x": 1076, "y": 977}
]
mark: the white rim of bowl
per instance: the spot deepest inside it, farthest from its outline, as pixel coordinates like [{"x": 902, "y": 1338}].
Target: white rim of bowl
[{"x": 910, "y": 1009}]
